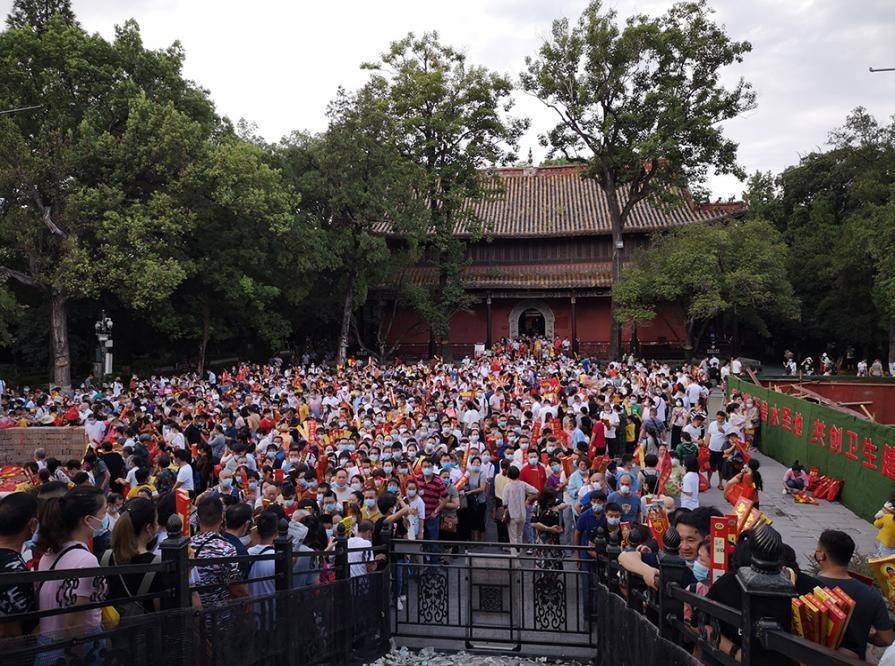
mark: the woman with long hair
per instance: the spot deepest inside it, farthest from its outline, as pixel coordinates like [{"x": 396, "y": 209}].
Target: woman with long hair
[
  {"x": 67, "y": 527},
  {"x": 134, "y": 538}
]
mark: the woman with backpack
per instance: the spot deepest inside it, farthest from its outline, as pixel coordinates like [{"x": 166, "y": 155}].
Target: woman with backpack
[
  {"x": 67, "y": 526},
  {"x": 133, "y": 542}
]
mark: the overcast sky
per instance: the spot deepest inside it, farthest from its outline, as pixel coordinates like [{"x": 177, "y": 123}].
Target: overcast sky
[{"x": 277, "y": 63}]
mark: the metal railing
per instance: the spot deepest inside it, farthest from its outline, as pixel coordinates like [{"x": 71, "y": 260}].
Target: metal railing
[
  {"x": 339, "y": 619},
  {"x": 759, "y": 633}
]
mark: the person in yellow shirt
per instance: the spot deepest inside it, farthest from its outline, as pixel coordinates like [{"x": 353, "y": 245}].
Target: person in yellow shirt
[
  {"x": 370, "y": 511},
  {"x": 885, "y": 523}
]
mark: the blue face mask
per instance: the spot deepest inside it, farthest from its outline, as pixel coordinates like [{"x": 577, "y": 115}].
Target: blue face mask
[
  {"x": 598, "y": 508},
  {"x": 613, "y": 521},
  {"x": 700, "y": 571}
]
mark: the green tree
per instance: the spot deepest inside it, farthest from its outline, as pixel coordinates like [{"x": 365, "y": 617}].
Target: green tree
[
  {"x": 735, "y": 269},
  {"x": 243, "y": 254},
  {"x": 87, "y": 180},
  {"x": 356, "y": 181},
  {"x": 642, "y": 104},
  {"x": 833, "y": 209},
  {"x": 452, "y": 121},
  {"x": 36, "y": 14}
]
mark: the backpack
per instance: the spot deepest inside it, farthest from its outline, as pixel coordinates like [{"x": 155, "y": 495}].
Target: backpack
[{"x": 129, "y": 608}]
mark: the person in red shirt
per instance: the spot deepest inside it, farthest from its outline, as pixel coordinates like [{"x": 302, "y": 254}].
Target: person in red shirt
[
  {"x": 597, "y": 440},
  {"x": 533, "y": 472}
]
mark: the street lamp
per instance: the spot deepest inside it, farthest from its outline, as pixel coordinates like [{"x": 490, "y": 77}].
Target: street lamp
[{"x": 103, "y": 327}]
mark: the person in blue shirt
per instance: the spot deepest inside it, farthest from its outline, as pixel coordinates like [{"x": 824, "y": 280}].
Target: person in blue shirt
[
  {"x": 590, "y": 519},
  {"x": 626, "y": 498}
]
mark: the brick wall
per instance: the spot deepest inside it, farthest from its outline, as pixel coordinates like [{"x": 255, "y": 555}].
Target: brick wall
[{"x": 17, "y": 444}]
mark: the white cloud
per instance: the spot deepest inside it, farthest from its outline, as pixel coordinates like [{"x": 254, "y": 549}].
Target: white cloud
[{"x": 277, "y": 63}]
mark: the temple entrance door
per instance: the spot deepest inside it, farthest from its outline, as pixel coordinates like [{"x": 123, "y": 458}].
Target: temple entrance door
[{"x": 531, "y": 323}]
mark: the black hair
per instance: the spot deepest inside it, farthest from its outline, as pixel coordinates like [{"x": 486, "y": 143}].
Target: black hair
[
  {"x": 612, "y": 506},
  {"x": 838, "y": 546},
  {"x": 267, "y": 524},
  {"x": 513, "y": 472},
  {"x": 754, "y": 464},
  {"x": 238, "y": 515},
  {"x": 209, "y": 511},
  {"x": 699, "y": 519},
  {"x": 16, "y": 511},
  {"x": 691, "y": 464},
  {"x": 650, "y": 460},
  {"x": 386, "y": 502},
  {"x": 59, "y": 516},
  {"x": 788, "y": 558}
]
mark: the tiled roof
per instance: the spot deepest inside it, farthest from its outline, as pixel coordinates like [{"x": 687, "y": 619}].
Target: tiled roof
[
  {"x": 557, "y": 201},
  {"x": 522, "y": 276}
]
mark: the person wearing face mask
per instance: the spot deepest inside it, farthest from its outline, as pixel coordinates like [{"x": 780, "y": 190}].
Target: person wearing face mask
[
  {"x": 370, "y": 511},
  {"x": 433, "y": 492},
  {"x": 134, "y": 532},
  {"x": 475, "y": 493},
  {"x": 627, "y": 499},
  {"x": 67, "y": 525},
  {"x": 417, "y": 510}
]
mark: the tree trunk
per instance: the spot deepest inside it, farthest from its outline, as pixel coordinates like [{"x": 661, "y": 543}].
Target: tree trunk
[
  {"x": 347, "y": 308},
  {"x": 206, "y": 333},
  {"x": 59, "y": 341},
  {"x": 615, "y": 328}
]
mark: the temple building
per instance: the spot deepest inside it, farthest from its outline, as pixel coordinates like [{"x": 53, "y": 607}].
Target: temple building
[{"x": 543, "y": 267}]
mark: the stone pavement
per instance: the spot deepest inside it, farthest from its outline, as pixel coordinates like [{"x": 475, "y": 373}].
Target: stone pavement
[
  {"x": 799, "y": 524},
  {"x": 405, "y": 657}
]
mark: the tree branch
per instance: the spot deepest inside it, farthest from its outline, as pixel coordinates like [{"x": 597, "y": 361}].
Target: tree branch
[
  {"x": 46, "y": 212},
  {"x": 24, "y": 278}
]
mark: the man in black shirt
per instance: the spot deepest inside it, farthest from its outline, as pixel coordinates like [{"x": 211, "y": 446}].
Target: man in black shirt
[
  {"x": 115, "y": 463},
  {"x": 18, "y": 520},
  {"x": 833, "y": 554}
]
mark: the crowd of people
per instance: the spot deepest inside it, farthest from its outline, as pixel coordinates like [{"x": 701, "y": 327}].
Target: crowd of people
[{"x": 527, "y": 442}]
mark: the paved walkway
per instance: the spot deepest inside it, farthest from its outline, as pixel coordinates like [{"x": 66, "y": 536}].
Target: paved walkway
[{"x": 799, "y": 524}]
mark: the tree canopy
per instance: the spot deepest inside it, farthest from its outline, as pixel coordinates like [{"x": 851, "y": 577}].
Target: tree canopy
[
  {"x": 453, "y": 120},
  {"x": 641, "y": 104},
  {"x": 735, "y": 269}
]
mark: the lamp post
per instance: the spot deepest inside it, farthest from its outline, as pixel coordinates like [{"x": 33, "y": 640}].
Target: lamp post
[{"x": 103, "y": 365}]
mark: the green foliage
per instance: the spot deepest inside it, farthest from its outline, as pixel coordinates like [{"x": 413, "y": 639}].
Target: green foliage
[
  {"x": 836, "y": 212},
  {"x": 452, "y": 121},
  {"x": 736, "y": 269},
  {"x": 36, "y": 14},
  {"x": 641, "y": 102}
]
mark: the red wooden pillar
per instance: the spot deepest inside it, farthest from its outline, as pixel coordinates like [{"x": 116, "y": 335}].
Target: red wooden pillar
[
  {"x": 574, "y": 327},
  {"x": 488, "y": 321}
]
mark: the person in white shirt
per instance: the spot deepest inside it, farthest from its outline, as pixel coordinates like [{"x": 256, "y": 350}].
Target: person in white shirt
[
  {"x": 717, "y": 442},
  {"x": 184, "y": 471},
  {"x": 266, "y": 526},
  {"x": 360, "y": 550},
  {"x": 94, "y": 428},
  {"x": 417, "y": 513},
  {"x": 690, "y": 484}
]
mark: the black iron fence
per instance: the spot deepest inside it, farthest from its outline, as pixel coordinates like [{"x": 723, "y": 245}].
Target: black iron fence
[
  {"x": 757, "y": 633},
  {"x": 344, "y": 620},
  {"x": 538, "y": 600},
  {"x": 484, "y": 596}
]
